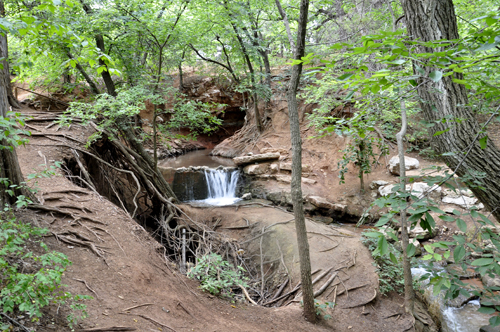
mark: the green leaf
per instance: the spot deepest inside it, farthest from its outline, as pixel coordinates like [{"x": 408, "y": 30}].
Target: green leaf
[
  {"x": 345, "y": 77},
  {"x": 483, "y": 142},
  {"x": 482, "y": 262},
  {"x": 458, "y": 253},
  {"x": 437, "y": 133},
  {"x": 393, "y": 258},
  {"x": 436, "y": 75},
  {"x": 411, "y": 249},
  {"x": 461, "y": 225},
  {"x": 486, "y": 310},
  {"x": 383, "y": 245},
  {"x": 495, "y": 321}
]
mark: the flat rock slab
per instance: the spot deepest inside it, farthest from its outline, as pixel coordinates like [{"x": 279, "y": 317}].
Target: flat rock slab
[
  {"x": 256, "y": 158},
  {"x": 410, "y": 163}
]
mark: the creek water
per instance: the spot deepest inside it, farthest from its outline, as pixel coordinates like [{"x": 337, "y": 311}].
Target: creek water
[
  {"x": 463, "y": 319},
  {"x": 196, "y": 158},
  {"x": 204, "y": 180}
]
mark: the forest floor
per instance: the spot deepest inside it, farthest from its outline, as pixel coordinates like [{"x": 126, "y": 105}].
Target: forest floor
[{"x": 130, "y": 269}]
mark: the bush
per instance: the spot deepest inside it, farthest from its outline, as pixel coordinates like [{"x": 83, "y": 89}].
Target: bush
[
  {"x": 217, "y": 276},
  {"x": 29, "y": 281}
]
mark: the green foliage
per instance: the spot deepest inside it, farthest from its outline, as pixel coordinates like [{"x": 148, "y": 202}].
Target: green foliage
[
  {"x": 321, "y": 308},
  {"x": 388, "y": 267},
  {"x": 32, "y": 281},
  {"x": 10, "y": 131},
  {"x": 217, "y": 276}
]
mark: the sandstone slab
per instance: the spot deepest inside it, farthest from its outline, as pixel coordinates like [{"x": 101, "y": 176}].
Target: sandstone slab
[{"x": 256, "y": 158}]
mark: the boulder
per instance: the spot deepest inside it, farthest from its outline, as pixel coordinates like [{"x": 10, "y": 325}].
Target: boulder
[
  {"x": 247, "y": 196},
  {"x": 458, "y": 193},
  {"x": 256, "y": 169},
  {"x": 420, "y": 189},
  {"x": 410, "y": 163},
  {"x": 422, "y": 234},
  {"x": 256, "y": 158},
  {"x": 463, "y": 201},
  {"x": 377, "y": 184},
  {"x": 491, "y": 281},
  {"x": 386, "y": 190}
]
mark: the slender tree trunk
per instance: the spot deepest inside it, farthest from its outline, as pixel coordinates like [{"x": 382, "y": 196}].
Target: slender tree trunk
[
  {"x": 286, "y": 23},
  {"x": 445, "y": 100},
  {"x": 6, "y": 71},
  {"x": 9, "y": 164},
  {"x": 296, "y": 186},
  {"x": 409, "y": 292},
  {"x": 106, "y": 76},
  {"x": 87, "y": 78}
]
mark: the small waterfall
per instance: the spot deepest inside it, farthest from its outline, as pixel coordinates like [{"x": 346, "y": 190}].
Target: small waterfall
[{"x": 221, "y": 185}]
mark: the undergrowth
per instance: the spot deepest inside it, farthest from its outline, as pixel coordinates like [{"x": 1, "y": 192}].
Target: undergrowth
[
  {"x": 30, "y": 274},
  {"x": 390, "y": 274}
]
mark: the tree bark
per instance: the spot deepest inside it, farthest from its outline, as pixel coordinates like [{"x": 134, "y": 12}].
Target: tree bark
[
  {"x": 445, "y": 100},
  {"x": 87, "y": 78},
  {"x": 6, "y": 71},
  {"x": 9, "y": 164},
  {"x": 408, "y": 279},
  {"x": 286, "y": 23},
  {"x": 296, "y": 185},
  {"x": 106, "y": 76}
]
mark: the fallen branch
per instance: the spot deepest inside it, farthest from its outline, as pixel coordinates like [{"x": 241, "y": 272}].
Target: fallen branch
[
  {"x": 137, "y": 306},
  {"x": 39, "y": 94},
  {"x": 248, "y": 296},
  {"x": 15, "y": 322},
  {"x": 325, "y": 285},
  {"x": 88, "y": 287}
]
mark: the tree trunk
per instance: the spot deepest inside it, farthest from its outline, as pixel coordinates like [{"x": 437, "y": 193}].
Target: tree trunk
[
  {"x": 106, "y": 76},
  {"x": 287, "y": 25},
  {"x": 408, "y": 279},
  {"x": 6, "y": 71},
  {"x": 9, "y": 164},
  {"x": 296, "y": 186},
  {"x": 435, "y": 22},
  {"x": 87, "y": 78}
]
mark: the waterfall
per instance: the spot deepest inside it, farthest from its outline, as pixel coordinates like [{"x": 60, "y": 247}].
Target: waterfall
[{"x": 221, "y": 186}]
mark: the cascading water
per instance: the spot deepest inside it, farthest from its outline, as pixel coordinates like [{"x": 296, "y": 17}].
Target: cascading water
[{"x": 221, "y": 186}]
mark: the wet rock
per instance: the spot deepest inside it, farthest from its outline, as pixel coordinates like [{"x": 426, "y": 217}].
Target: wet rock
[
  {"x": 245, "y": 160},
  {"x": 247, "y": 196},
  {"x": 377, "y": 184},
  {"x": 256, "y": 169},
  {"x": 410, "y": 163},
  {"x": 190, "y": 185},
  {"x": 491, "y": 281},
  {"x": 489, "y": 328},
  {"x": 456, "y": 269},
  {"x": 461, "y": 300}
]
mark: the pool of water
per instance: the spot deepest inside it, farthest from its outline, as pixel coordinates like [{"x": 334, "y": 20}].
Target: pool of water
[{"x": 196, "y": 158}]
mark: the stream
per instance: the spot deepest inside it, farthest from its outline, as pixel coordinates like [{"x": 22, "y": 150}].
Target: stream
[
  {"x": 204, "y": 180},
  {"x": 463, "y": 319}
]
